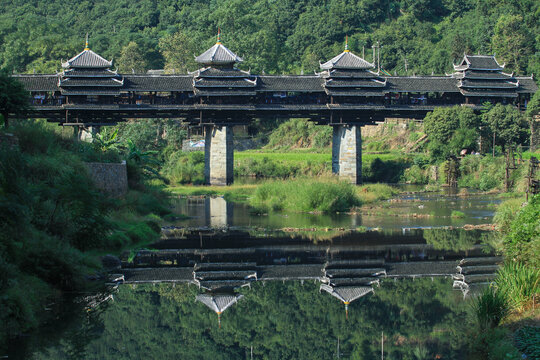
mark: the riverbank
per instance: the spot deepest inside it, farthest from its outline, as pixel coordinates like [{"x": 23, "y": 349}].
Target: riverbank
[{"x": 55, "y": 225}]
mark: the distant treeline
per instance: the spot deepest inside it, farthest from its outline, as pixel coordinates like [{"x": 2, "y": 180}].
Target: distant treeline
[{"x": 273, "y": 36}]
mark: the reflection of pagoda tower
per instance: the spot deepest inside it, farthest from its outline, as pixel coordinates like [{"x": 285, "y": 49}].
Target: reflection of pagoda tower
[
  {"x": 219, "y": 302},
  {"x": 349, "y": 280}
]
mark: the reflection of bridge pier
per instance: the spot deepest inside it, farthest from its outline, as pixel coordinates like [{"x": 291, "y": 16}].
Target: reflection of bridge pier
[{"x": 218, "y": 212}]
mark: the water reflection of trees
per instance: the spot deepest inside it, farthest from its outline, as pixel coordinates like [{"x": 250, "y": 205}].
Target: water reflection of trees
[
  {"x": 459, "y": 239},
  {"x": 281, "y": 321}
]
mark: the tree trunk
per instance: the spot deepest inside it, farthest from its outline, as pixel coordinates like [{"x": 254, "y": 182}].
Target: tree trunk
[{"x": 6, "y": 120}]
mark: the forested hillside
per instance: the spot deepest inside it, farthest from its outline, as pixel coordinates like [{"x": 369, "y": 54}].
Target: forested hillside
[{"x": 274, "y": 36}]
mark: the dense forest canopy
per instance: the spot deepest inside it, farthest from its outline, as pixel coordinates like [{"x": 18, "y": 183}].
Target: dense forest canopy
[{"x": 274, "y": 36}]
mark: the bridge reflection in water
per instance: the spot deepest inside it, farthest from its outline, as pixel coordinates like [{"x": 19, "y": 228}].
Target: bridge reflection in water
[{"x": 348, "y": 267}]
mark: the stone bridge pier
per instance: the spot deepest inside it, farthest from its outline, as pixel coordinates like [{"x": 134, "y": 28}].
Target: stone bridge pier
[
  {"x": 347, "y": 153},
  {"x": 218, "y": 155}
]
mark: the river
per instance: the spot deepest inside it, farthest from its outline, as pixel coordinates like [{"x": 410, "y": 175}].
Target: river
[{"x": 393, "y": 279}]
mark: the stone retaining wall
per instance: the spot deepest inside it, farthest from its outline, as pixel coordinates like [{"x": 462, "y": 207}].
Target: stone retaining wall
[{"x": 110, "y": 178}]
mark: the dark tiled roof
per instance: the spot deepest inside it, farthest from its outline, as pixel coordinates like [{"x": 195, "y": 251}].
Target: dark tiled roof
[
  {"x": 489, "y": 84},
  {"x": 347, "y": 60},
  {"x": 215, "y": 72},
  {"x": 488, "y": 75},
  {"x": 479, "y": 62},
  {"x": 218, "y": 55},
  {"x": 489, "y": 93},
  {"x": 67, "y": 82},
  {"x": 89, "y": 73},
  {"x": 527, "y": 85},
  {"x": 355, "y": 83},
  {"x": 344, "y": 73},
  {"x": 87, "y": 59},
  {"x": 361, "y": 92},
  {"x": 158, "y": 83},
  {"x": 211, "y": 82},
  {"x": 291, "y": 83},
  {"x": 422, "y": 84},
  {"x": 90, "y": 91},
  {"x": 38, "y": 82},
  {"x": 241, "y": 92}
]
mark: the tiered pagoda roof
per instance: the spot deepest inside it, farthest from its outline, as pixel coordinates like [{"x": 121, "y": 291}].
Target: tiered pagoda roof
[
  {"x": 349, "y": 75},
  {"x": 88, "y": 73},
  {"x": 219, "y": 76},
  {"x": 482, "y": 75},
  {"x": 218, "y": 302}
]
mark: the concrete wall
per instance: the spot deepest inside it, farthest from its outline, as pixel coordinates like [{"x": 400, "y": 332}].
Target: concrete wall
[
  {"x": 109, "y": 178},
  {"x": 347, "y": 153},
  {"x": 218, "y": 155}
]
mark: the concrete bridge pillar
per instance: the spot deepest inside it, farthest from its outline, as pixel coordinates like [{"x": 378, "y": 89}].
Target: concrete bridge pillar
[
  {"x": 87, "y": 134},
  {"x": 218, "y": 155},
  {"x": 347, "y": 153}
]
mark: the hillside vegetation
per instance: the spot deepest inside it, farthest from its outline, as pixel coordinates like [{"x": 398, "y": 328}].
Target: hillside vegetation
[{"x": 276, "y": 37}]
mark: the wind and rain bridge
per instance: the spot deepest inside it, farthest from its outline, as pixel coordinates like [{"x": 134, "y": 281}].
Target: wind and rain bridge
[{"x": 348, "y": 93}]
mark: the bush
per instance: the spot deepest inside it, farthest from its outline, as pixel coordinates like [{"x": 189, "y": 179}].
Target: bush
[
  {"x": 519, "y": 283},
  {"x": 506, "y": 213},
  {"x": 523, "y": 241},
  {"x": 483, "y": 173},
  {"x": 305, "y": 195},
  {"x": 185, "y": 168},
  {"x": 528, "y": 341},
  {"x": 490, "y": 307}
]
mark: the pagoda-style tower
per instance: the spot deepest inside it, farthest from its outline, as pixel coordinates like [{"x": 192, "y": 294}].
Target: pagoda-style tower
[
  {"x": 348, "y": 78},
  {"x": 87, "y": 76},
  {"x": 221, "y": 79},
  {"x": 482, "y": 79}
]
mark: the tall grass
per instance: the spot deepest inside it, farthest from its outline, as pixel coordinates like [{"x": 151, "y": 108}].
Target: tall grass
[
  {"x": 490, "y": 308},
  {"x": 304, "y": 195},
  {"x": 519, "y": 283}
]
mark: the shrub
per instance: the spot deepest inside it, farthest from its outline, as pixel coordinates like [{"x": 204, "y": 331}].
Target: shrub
[
  {"x": 528, "y": 341},
  {"x": 490, "y": 308},
  {"x": 523, "y": 240},
  {"x": 185, "y": 168},
  {"x": 457, "y": 214},
  {"x": 506, "y": 213},
  {"x": 305, "y": 195},
  {"x": 519, "y": 283}
]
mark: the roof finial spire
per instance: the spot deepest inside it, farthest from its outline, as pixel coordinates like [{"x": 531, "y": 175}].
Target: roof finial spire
[
  {"x": 218, "y": 36},
  {"x": 86, "y": 46},
  {"x": 347, "y": 43},
  {"x": 346, "y": 310}
]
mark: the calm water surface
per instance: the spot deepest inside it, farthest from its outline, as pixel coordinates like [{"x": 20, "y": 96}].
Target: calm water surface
[{"x": 236, "y": 286}]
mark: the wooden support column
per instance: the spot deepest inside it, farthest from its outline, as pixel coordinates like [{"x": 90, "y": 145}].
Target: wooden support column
[
  {"x": 218, "y": 155},
  {"x": 347, "y": 153}
]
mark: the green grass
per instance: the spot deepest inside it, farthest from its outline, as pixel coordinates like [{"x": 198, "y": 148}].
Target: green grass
[
  {"x": 305, "y": 195},
  {"x": 456, "y": 214},
  {"x": 231, "y": 192}
]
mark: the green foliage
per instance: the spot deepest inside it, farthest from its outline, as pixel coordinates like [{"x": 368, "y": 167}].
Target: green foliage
[
  {"x": 51, "y": 215},
  {"x": 506, "y": 213},
  {"x": 528, "y": 341},
  {"x": 457, "y": 214},
  {"x": 494, "y": 344},
  {"x": 481, "y": 172},
  {"x": 13, "y": 96},
  {"x": 465, "y": 239},
  {"x": 132, "y": 59},
  {"x": 519, "y": 283},
  {"x": 185, "y": 168},
  {"x": 450, "y": 130},
  {"x": 300, "y": 133},
  {"x": 304, "y": 195},
  {"x": 490, "y": 307},
  {"x": 508, "y": 125},
  {"x": 523, "y": 241}
]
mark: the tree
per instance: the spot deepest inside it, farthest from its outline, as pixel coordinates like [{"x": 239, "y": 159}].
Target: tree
[
  {"x": 450, "y": 130},
  {"x": 507, "y": 125},
  {"x": 132, "y": 59},
  {"x": 512, "y": 41},
  {"x": 178, "y": 51},
  {"x": 533, "y": 110},
  {"x": 13, "y": 97}
]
